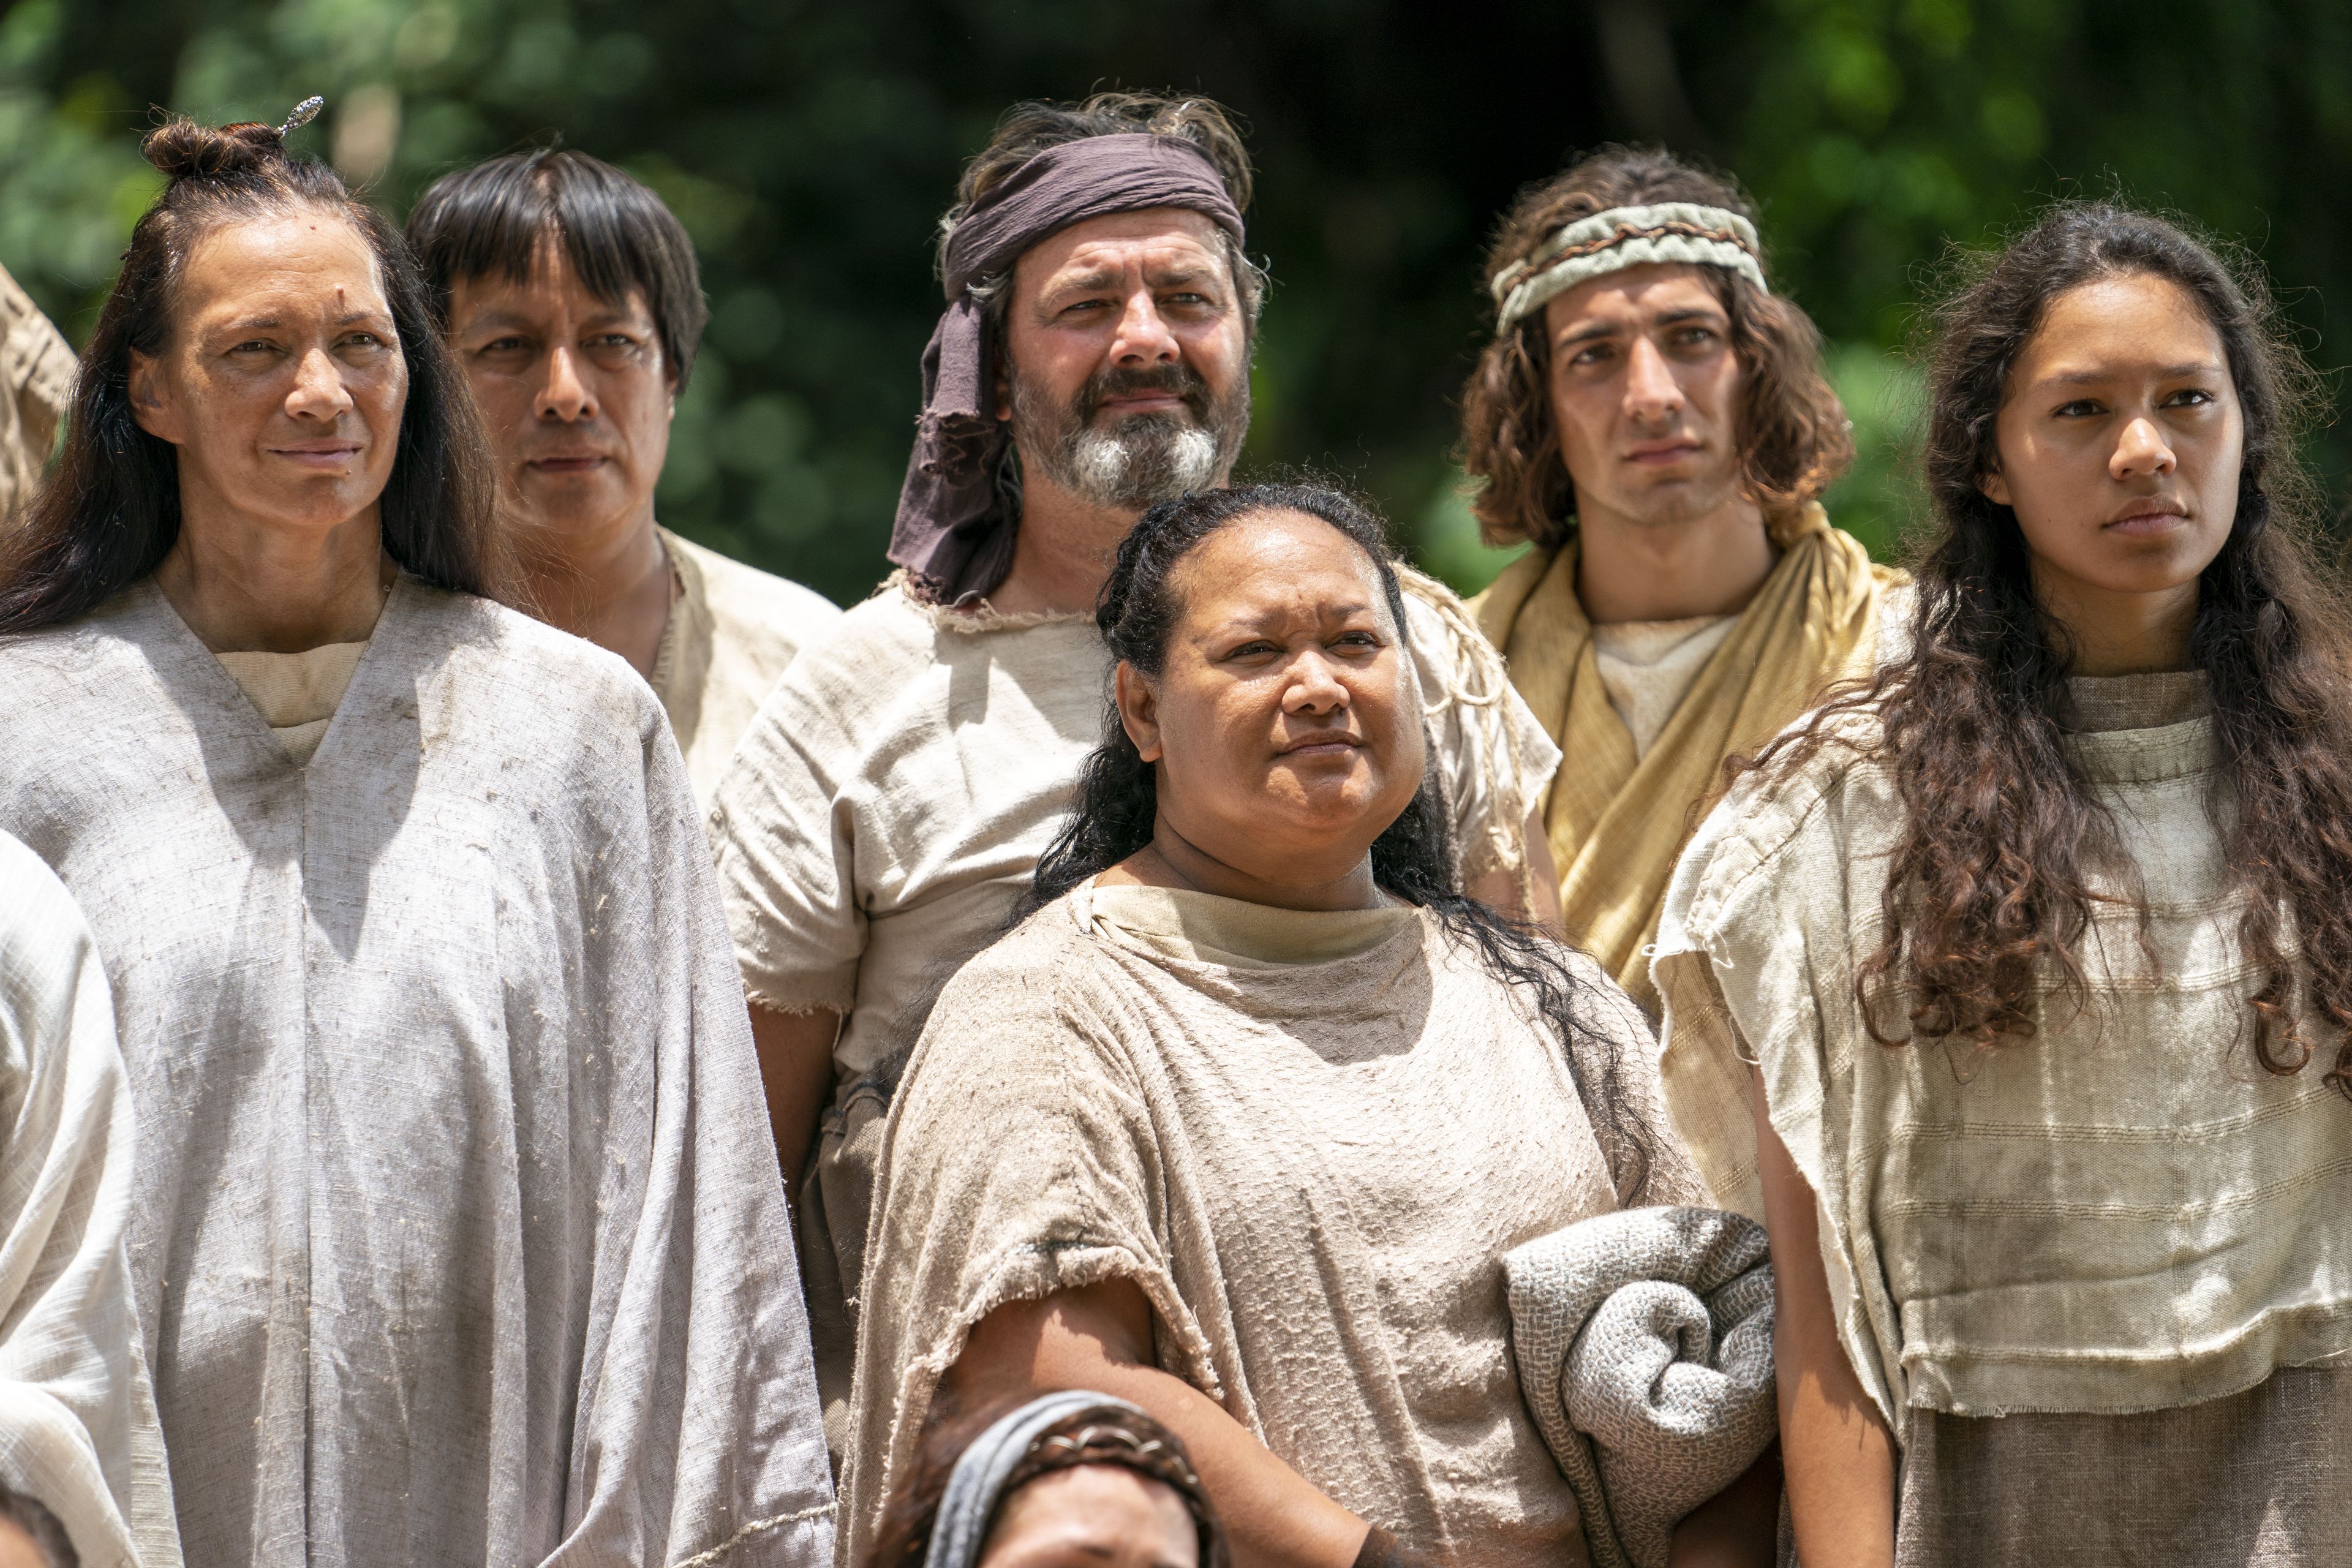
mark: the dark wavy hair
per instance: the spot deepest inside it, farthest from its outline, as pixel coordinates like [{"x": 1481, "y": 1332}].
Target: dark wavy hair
[
  {"x": 1792, "y": 431},
  {"x": 1413, "y": 859},
  {"x": 1126, "y": 1439},
  {"x": 1989, "y": 885},
  {"x": 112, "y": 512}
]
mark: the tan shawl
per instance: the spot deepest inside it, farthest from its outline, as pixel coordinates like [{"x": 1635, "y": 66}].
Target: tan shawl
[{"x": 1616, "y": 823}]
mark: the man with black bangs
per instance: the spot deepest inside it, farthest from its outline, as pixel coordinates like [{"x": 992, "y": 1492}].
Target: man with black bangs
[{"x": 570, "y": 296}]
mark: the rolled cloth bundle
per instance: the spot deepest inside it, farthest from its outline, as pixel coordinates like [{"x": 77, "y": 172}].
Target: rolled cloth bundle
[
  {"x": 1644, "y": 1347},
  {"x": 951, "y": 531}
]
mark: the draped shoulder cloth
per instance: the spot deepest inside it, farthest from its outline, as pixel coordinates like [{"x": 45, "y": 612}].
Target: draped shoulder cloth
[
  {"x": 1615, "y": 824},
  {"x": 952, "y": 531}
]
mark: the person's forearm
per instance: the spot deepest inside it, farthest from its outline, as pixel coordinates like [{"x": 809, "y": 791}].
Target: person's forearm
[
  {"x": 1739, "y": 1527},
  {"x": 1273, "y": 1517},
  {"x": 1838, "y": 1454},
  {"x": 1099, "y": 1337},
  {"x": 796, "y": 1071}
]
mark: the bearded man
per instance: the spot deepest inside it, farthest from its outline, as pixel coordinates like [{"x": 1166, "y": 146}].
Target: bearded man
[
  {"x": 572, "y": 298},
  {"x": 1656, "y": 422},
  {"x": 893, "y": 797}
]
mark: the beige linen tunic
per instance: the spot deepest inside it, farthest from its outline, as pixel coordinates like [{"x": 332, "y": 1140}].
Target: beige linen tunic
[
  {"x": 36, "y": 382},
  {"x": 297, "y": 693},
  {"x": 731, "y": 630},
  {"x": 78, "y": 1428},
  {"x": 1311, "y": 1168},
  {"x": 455, "y": 1229},
  {"x": 2120, "y": 1217}
]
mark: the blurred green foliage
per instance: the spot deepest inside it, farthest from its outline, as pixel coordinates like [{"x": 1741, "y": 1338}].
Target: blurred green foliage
[{"x": 808, "y": 147}]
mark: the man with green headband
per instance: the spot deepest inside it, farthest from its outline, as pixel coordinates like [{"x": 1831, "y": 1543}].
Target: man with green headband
[{"x": 1656, "y": 422}]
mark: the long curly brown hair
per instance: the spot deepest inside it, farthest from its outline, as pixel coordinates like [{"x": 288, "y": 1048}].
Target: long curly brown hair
[
  {"x": 1989, "y": 885},
  {"x": 1793, "y": 437}
]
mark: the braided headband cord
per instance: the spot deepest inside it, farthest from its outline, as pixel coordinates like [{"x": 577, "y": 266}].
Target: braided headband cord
[
  {"x": 1023, "y": 1445},
  {"x": 1609, "y": 241}
]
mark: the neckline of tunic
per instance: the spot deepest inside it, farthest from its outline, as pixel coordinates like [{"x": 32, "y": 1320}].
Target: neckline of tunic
[
  {"x": 2143, "y": 729},
  {"x": 1233, "y": 933},
  {"x": 983, "y": 618},
  {"x": 146, "y": 598}
]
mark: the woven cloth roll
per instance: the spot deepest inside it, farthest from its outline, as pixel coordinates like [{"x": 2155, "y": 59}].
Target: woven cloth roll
[{"x": 1643, "y": 1341}]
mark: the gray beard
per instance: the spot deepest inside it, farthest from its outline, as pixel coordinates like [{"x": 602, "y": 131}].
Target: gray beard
[{"x": 1135, "y": 463}]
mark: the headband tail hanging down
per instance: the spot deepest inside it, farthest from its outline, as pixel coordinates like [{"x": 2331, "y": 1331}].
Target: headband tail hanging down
[{"x": 952, "y": 532}]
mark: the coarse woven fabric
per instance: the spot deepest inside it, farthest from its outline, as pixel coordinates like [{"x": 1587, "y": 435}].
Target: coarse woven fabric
[
  {"x": 2253, "y": 1481},
  {"x": 889, "y": 805},
  {"x": 456, "y": 1232},
  {"x": 2124, "y": 1213},
  {"x": 1311, "y": 1172},
  {"x": 1604, "y": 242},
  {"x": 36, "y": 384},
  {"x": 1617, "y": 822},
  {"x": 1647, "y": 668},
  {"x": 77, "y": 1430},
  {"x": 1643, "y": 1341},
  {"x": 952, "y": 531},
  {"x": 731, "y": 630}
]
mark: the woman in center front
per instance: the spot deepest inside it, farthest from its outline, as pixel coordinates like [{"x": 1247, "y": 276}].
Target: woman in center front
[{"x": 1238, "y": 1124}]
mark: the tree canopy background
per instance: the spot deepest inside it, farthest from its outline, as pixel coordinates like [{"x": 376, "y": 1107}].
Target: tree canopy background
[{"x": 809, "y": 148}]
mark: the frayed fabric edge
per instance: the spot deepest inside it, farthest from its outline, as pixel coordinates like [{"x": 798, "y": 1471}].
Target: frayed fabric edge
[
  {"x": 726, "y": 1548},
  {"x": 800, "y": 1008}
]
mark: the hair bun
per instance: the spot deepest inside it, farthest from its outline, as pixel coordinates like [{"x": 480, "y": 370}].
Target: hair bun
[{"x": 184, "y": 149}]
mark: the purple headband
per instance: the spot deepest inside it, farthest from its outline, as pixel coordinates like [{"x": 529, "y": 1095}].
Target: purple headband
[{"x": 951, "y": 531}]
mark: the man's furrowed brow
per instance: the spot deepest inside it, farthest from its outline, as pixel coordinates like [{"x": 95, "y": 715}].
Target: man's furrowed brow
[{"x": 1591, "y": 331}]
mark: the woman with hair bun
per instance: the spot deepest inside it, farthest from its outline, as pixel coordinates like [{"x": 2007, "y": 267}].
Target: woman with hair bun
[
  {"x": 2012, "y": 989},
  {"x": 455, "y": 1233}
]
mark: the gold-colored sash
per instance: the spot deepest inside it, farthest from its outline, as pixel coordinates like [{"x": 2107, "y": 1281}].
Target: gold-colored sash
[{"x": 1616, "y": 824}]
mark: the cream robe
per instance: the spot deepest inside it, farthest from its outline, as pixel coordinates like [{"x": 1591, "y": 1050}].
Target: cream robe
[
  {"x": 457, "y": 1235},
  {"x": 1311, "y": 1168},
  {"x": 78, "y": 1428},
  {"x": 2075, "y": 1234},
  {"x": 1616, "y": 819},
  {"x": 731, "y": 630}
]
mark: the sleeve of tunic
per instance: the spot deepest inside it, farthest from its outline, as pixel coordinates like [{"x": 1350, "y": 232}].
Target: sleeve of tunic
[
  {"x": 782, "y": 828},
  {"x": 37, "y": 376},
  {"x": 698, "y": 1436},
  {"x": 78, "y": 1426},
  {"x": 1620, "y": 1028},
  {"x": 1755, "y": 934},
  {"x": 1020, "y": 1161},
  {"x": 1496, "y": 759}
]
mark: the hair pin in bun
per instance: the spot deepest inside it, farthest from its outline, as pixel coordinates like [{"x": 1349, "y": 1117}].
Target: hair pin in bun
[{"x": 304, "y": 112}]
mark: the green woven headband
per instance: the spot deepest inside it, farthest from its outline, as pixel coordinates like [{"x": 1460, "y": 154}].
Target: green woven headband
[{"x": 1626, "y": 236}]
